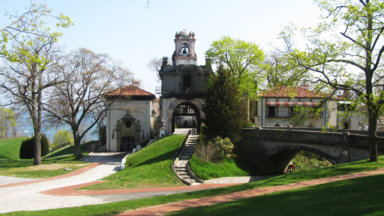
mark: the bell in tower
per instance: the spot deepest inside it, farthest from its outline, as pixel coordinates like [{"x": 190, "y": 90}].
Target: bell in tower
[{"x": 184, "y": 49}]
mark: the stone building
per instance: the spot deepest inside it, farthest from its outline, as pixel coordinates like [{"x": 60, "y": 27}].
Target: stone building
[
  {"x": 131, "y": 118},
  {"x": 183, "y": 85}
]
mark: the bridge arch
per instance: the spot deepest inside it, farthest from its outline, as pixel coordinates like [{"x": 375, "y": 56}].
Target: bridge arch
[
  {"x": 285, "y": 155},
  {"x": 270, "y": 150}
]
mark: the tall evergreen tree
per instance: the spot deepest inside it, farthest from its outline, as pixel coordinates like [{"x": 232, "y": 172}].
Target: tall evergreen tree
[{"x": 224, "y": 107}]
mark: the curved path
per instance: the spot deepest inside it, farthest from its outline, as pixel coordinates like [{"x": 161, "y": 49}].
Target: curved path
[{"x": 59, "y": 191}]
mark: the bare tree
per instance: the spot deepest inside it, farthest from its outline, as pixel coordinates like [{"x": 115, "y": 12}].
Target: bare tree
[
  {"x": 28, "y": 47},
  {"x": 80, "y": 98}
]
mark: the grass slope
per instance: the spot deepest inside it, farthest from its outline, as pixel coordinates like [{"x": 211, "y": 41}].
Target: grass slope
[
  {"x": 10, "y": 148},
  {"x": 209, "y": 170},
  {"x": 117, "y": 207},
  {"x": 362, "y": 196},
  {"x": 149, "y": 167},
  {"x": 69, "y": 150}
]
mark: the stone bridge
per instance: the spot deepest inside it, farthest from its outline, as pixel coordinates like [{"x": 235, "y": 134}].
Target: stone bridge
[{"x": 271, "y": 149}]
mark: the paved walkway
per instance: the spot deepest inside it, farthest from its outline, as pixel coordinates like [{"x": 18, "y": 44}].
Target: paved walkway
[
  {"x": 60, "y": 191},
  {"x": 25, "y": 196},
  {"x": 5, "y": 180},
  {"x": 213, "y": 200}
]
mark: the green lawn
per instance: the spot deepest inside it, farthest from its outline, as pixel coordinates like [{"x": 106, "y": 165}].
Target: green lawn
[
  {"x": 49, "y": 168},
  {"x": 12, "y": 165},
  {"x": 149, "y": 167},
  {"x": 117, "y": 207},
  {"x": 10, "y": 148},
  {"x": 362, "y": 196},
  {"x": 210, "y": 170}
]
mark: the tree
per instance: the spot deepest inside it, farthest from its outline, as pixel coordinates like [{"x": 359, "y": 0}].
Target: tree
[
  {"x": 28, "y": 46},
  {"x": 223, "y": 107},
  {"x": 241, "y": 59},
  {"x": 79, "y": 101},
  {"x": 280, "y": 72},
  {"x": 62, "y": 138},
  {"x": 7, "y": 121},
  {"x": 345, "y": 52}
]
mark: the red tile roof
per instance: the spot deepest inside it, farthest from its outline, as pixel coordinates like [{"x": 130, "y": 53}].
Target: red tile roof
[
  {"x": 293, "y": 92},
  {"x": 130, "y": 91}
]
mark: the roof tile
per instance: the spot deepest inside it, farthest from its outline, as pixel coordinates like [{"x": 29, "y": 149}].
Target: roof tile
[{"x": 293, "y": 92}]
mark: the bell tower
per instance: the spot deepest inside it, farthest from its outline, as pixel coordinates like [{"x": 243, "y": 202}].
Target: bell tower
[
  {"x": 184, "y": 49},
  {"x": 183, "y": 86}
]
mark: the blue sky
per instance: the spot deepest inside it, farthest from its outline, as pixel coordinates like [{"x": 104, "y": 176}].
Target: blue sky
[{"x": 133, "y": 34}]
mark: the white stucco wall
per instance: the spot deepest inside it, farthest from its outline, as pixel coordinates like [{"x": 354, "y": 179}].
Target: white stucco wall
[{"x": 138, "y": 109}]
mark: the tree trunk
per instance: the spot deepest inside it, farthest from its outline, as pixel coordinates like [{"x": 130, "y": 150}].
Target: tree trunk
[
  {"x": 372, "y": 143},
  {"x": 37, "y": 148},
  {"x": 77, "y": 142}
]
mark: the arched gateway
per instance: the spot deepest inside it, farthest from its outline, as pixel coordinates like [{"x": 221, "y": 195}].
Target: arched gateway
[
  {"x": 186, "y": 115},
  {"x": 183, "y": 86}
]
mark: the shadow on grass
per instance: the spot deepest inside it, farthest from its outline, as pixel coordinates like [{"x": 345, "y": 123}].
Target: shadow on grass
[{"x": 360, "y": 196}]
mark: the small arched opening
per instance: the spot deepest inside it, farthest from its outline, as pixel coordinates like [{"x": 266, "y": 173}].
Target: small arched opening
[
  {"x": 185, "y": 49},
  {"x": 186, "y": 115}
]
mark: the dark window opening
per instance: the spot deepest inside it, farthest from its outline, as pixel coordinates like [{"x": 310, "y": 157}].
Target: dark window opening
[
  {"x": 187, "y": 81},
  {"x": 271, "y": 111}
]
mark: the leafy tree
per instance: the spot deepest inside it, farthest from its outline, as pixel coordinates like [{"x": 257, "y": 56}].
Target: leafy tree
[
  {"x": 28, "y": 46},
  {"x": 7, "y": 121},
  {"x": 80, "y": 97},
  {"x": 241, "y": 59},
  {"x": 345, "y": 52},
  {"x": 223, "y": 106},
  {"x": 279, "y": 71},
  {"x": 62, "y": 138}
]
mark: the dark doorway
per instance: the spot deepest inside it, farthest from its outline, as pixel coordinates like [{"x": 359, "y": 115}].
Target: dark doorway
[
  {"x": 186, "y": 115},
  {"x": 127, "y": 144}
]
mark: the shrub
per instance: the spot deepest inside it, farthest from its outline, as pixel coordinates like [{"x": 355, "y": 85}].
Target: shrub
[
  {"x": 62, "y": 138},
  {"x": 224, "y": 147},
  {"x": 215, "y": 150},
  {"x": 27, "y": 147}
]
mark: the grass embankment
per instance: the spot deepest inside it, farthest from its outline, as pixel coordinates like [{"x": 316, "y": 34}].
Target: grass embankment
[
  {"x": 210, "y": 170},
  {"x": 149, "y": 167},
  {"x": 12, "y": 165},
  {"x": 10, "y": 148},
  {"x": 363, "y": 190},
  {"x": 69, "y": 150}
]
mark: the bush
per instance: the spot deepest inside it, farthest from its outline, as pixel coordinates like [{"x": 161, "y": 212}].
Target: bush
[
  {"x": 215, "y": 150},
  {"x": 62, "y": 138},
  {"x": 27, "y": 147}
]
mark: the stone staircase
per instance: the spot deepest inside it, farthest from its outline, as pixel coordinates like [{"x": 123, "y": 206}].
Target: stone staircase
[{"x": 181, "y": 163}]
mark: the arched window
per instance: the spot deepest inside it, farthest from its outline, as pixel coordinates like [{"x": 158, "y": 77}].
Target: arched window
[{"x": 185, "y": 49}]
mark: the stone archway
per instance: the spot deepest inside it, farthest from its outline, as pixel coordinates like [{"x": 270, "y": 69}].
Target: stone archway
[{"x": 186, "y": 115}]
